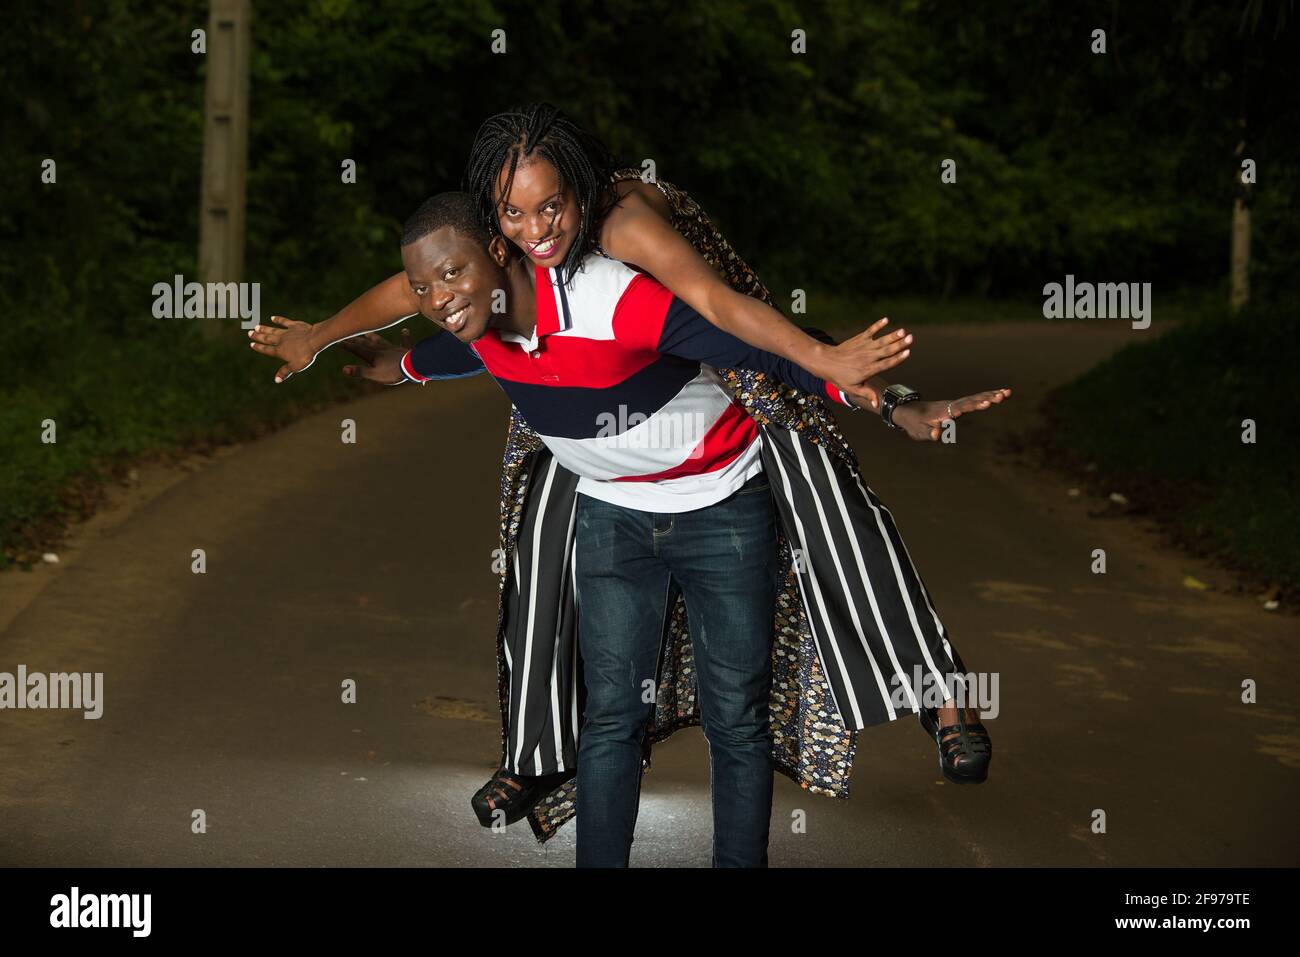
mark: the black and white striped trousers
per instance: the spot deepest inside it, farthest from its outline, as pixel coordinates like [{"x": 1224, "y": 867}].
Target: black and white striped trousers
[{"x": 870, "y": 614}]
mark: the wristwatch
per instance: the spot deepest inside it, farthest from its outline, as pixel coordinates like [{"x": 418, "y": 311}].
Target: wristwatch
[{"x": 894, "y": 396}]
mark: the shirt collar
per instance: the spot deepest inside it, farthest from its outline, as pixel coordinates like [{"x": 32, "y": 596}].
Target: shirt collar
[
  {"x": 551, "y": 301},
  {"x": 551, "y": 307}
]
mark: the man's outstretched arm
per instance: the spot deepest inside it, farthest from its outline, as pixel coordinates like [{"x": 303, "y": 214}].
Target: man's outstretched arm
[
  {"x": 440, "y": 356},
  {"x": 297, "y": 344}
]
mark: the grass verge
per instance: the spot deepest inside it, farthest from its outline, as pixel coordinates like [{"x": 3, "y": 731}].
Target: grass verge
[
  {"x": 1166, "y": 424},
  {"x": 117, "y": 401}
]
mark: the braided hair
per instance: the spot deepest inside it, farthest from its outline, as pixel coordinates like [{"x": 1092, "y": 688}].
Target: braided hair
[{"x": 582, "y": 161}]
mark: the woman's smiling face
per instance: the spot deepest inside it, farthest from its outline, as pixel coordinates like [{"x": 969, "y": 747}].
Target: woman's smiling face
[{"x": 539, "y": 214}]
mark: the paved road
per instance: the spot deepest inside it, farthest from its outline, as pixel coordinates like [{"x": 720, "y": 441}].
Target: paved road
[{"x": 372, "y": 561}]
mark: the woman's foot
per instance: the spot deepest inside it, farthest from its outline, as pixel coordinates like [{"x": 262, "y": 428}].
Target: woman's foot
[
  {"x": 513, "y": 794},
  {"x": 965, "y": 748}
]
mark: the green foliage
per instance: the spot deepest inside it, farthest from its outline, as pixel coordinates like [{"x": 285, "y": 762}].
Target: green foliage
[{"x": 822, "y": 168}]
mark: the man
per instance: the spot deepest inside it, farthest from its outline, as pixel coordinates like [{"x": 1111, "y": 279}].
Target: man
[{"x": 655, "y": 503}]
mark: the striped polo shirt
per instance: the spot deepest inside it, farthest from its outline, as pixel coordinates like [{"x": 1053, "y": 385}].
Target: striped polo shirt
[{"x": 618, "y": 381}]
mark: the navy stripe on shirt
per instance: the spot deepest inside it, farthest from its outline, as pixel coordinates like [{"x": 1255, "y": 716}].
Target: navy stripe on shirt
[{"x": 577, "y": 412}]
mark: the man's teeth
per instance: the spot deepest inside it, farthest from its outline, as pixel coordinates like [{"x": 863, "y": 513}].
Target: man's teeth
[{"x": 455, "y": 317}]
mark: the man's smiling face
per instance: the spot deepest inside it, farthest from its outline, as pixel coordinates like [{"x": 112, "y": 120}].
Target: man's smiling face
[{"x": 454, "y": 278}]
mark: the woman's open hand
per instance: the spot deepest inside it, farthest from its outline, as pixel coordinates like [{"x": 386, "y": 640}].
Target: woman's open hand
[{"x": 851, "y": 363}]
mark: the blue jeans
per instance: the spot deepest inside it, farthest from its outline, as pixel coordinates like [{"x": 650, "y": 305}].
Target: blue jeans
[{"x": 723, "y": 557}]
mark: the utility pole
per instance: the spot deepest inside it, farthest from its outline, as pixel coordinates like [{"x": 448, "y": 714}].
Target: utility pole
[
  {"x": 225, "y": 147},
  {"x": 1239, "y": 264}
]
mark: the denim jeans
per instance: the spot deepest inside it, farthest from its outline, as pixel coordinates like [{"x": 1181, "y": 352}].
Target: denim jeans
[{"x": 723, "y": 557}]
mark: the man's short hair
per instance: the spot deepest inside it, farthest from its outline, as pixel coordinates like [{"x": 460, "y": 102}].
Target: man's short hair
[{"x": 456, "y": 210}]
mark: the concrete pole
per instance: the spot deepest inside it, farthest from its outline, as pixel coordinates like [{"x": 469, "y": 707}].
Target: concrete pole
[{"x": 225, "y": 147}]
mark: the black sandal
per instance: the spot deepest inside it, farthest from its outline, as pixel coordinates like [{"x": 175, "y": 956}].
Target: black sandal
[
  {"x": 513, "y": 793},
  {"x": 965, "y": 750}
]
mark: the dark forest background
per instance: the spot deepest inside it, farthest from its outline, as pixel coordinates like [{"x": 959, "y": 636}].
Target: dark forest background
[{"x": 822, "y": 168}]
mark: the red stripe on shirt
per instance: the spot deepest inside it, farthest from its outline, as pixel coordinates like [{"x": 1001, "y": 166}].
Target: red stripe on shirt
[
  {"x": 640, "y": 313},
  {"x": 548, "y": 310},
  {"x": 566, "y": 360}
]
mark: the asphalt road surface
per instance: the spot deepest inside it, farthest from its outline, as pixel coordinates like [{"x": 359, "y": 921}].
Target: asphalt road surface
[{"x": 325, "y": 561}]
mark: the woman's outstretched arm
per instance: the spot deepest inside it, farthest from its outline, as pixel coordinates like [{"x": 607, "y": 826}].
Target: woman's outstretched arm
[{"x": 637, "y": 233}]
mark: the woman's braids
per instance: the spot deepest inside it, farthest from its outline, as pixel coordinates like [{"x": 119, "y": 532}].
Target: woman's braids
[{"x": 583, "y": 162}]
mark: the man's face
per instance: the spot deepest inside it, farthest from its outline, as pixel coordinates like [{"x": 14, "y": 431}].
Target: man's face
[
  {"x": 538, "y": 215},
  {"x": 454, "y": 278}
]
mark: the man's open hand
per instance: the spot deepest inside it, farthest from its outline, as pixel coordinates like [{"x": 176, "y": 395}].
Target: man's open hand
[
  {"x": 291, "y": 343},
  {"x": 382, "y": 360}
]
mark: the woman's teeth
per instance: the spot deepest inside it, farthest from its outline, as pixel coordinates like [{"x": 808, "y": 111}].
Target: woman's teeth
[
  {"x": 545, "y": 248},
  {"x": 456, "y": 319}
]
